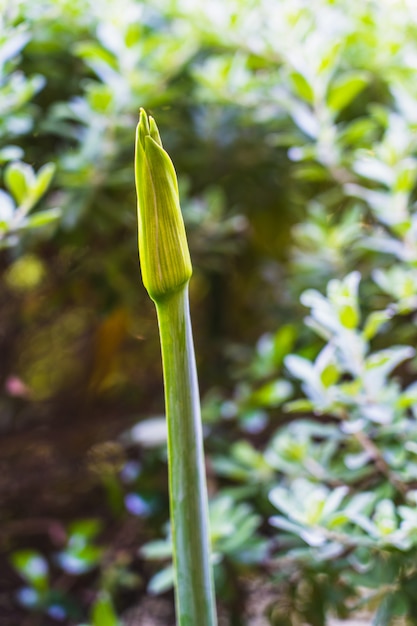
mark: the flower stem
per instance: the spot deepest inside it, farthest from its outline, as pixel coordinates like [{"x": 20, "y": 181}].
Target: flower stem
[{"x": 188, "y": 492}]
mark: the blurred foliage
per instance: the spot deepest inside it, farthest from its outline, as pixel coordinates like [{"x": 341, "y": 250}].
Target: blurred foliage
[{"x": 292, "y": 126}]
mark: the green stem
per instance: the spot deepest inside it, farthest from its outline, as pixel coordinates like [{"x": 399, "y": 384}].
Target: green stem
[{"x": 188, "y": 492}]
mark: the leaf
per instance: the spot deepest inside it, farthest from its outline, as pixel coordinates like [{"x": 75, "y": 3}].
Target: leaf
[
  {"x": 358, "y": 460},
  {"x": 12, "y": 46},
  {"x": 103, "y": 613},
  {"x": 285, "y": 524},
  {"x": 151, "y": 432},
  {"x": 244, "y": 532},
  {"x": 330, "y": 375},
  {"x": 43, "y": 180},
  {"x": 383, "y": 362},
  {"x": 80, "y": 560},
  {"x": 300, "y": 368},
  {"x": 312, "y": 536},
  {"x": 155, "y": 550},
  {"x": 385, "y": 613},
  {"x": 305, "y": 119},
  {"x": 349, "y": 316},
  {"x": 344, "y": 89},
  {"x": 10, "y": 153},
  {"x": 162, "y": 581},
  {"x": 19, "y": 178},
  {"x": 279, "y": 498},
  {"x": 374, "y": 322},
  {"x": 334, "y": 500},
  {"x": 375, "y": 170},
  {"x": 273, "y": 394},
  {"x": 299, "y": 406},
  {"x": 43, "y": 218},
  {"x": 83, "y": 530},
  {"x": 224, "y": 466},
  {"x": 32, "y": 566},
  {"x": 7, "y": 207},
  {"x": 302, "y": 87}
]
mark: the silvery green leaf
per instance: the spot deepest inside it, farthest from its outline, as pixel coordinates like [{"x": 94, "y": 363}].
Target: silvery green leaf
[
  {"x": 301, "y": 368},
  {"x": 313, "y": 536},
  {"x": 364, "y": 522},
  {"x": 12, "y": 45},
  {"x": 359, "y": 502},
  {"x": 329, "y": 551},
  {"x": 151, "y": 432},
  {"x": 372, "y": 168},
  {"x": 284, "y": 524},
  {"x": 305, "y": 119},
  {"x": 162, "y": 581},
  {"x": 280, "y": 499},
  {"x": 380, "y": 364},
  {"x": 353, "y": 426},
  {"x": 334, "y": 500},
  {"x": 154, "y": 550},
  {"x": 377, "y": 413},
  {"x": 356, "y": 461},
  {"x": 7, "y": 207}
]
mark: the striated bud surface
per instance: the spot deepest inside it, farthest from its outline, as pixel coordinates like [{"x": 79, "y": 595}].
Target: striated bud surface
[{"x": 163, "y": 249}]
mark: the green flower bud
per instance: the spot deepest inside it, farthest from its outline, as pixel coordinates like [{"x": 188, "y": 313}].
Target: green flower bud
[{"x": 163, "y": 249}]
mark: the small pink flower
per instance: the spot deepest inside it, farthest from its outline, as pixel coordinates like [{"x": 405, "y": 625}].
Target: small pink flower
[{"x": 15, "y": 387}]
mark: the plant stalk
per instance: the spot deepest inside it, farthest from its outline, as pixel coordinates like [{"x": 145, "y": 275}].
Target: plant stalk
[{"x": 194, "y": 589}]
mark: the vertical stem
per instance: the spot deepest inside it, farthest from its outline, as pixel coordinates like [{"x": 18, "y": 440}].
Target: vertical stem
[{"x": 188, "y": 492}]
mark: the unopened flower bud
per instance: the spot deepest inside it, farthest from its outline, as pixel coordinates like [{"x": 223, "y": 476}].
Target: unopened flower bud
[{"x": 163, "y": 249}]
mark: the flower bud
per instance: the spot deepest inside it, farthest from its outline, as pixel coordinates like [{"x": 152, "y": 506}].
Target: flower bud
[{"x": 163, "y": 249}]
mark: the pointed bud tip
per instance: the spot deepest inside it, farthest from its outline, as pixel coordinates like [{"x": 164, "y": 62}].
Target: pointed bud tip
[
  {"x": 143, "y": 125},
  {"x": 154, "y": 131}
]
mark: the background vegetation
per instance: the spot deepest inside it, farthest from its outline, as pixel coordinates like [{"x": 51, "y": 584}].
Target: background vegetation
[{"x": 292, "y": 125}]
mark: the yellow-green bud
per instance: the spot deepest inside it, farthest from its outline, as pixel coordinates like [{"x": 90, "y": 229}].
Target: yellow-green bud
[{"x": 163, "y": 249}]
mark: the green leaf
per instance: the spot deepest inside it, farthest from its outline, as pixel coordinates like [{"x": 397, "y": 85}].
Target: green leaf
[
  {"x": 85, "y": 529},
  {"x": 272, "y": 394},
  {"x": 243, "y": 533},
  {"x": 344, "y": 89},
  {"x": 330, "y": 375},
  {"x": 302, "y": 87},
  {"x": 349, "y": 316},
  {"x": 103, "y": 613},
  {"x": 19, "y": 179},
  {"x": 385, "y": 613},
  {"x": 43, "y": 218},
  {"x": 43, "y": 180},
  {"x": 299, "y": 406},
  {"x": 32, "y": 567},
  {"x": 373, "y": 323}
]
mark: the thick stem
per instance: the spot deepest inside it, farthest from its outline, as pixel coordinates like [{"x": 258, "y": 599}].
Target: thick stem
[{"x": 188, "y": 492}]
